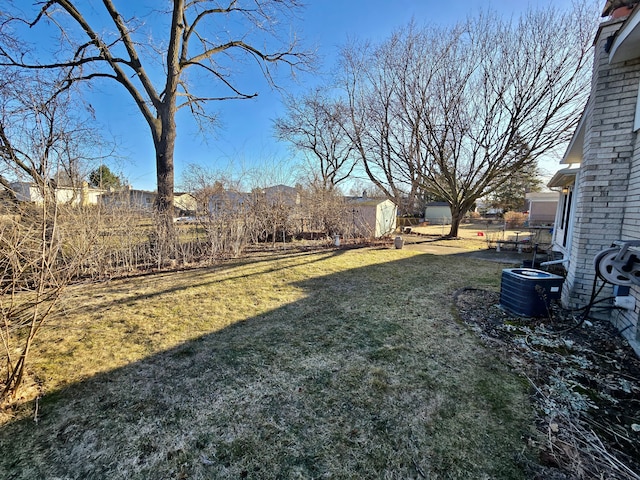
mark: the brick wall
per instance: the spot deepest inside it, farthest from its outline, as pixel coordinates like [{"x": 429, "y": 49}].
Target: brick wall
[
  {"x": 627, "y": 321},
  {"x": 608, "y": 188}
]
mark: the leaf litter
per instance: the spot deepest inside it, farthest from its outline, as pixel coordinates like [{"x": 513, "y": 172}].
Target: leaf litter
[{"x": 585, "y": 383}]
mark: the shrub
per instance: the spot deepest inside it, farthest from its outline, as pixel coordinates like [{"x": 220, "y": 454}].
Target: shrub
[{"x": 515, "y": 219}]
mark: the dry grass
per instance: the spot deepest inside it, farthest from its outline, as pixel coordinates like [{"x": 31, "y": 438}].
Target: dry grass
[
  {"x": 342, "y": 364},
  {"x": 480, "y": 235}
]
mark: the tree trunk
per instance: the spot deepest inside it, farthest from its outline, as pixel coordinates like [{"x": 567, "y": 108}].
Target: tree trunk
[
  {"x": 165, "y": 139},
  {"x": 165, "y": 146},
  {"x": 457, "y": 213}
]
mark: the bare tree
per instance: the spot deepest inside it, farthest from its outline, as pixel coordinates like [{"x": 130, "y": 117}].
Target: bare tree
[
  {"x": 37, "y": 139},
  {"x": 314, "y": 125},
  {"x": 453, "y": 112},
  {"x": 205, "y": 37},
  {"x": 45, "y": 138},
  {"x": 373, "y": 82}
]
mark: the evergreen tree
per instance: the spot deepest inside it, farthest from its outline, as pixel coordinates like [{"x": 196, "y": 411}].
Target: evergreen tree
[{"x": 103, "y": 177}]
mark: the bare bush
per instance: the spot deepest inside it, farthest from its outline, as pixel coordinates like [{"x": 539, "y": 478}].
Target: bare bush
[
  {"x": 225, "y": 223},
  {"x": 33, "y": 275},
  {"x": 325, "y": 212},
  {"x": 515, "y": 219}
]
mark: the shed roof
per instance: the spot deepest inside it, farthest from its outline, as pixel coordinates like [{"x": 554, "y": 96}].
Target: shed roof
[{"x": 366, "y": 200}]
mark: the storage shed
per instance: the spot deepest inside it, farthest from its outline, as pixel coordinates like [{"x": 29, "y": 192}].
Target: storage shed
[
  {"x": 372, "y": 217},
  {"x": 438, "y": 213}
]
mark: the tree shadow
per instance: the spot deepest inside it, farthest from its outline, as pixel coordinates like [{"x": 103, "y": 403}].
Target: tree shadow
[
  {"x": 197, "y": 278},
  {"x": 367, "y": 375}
]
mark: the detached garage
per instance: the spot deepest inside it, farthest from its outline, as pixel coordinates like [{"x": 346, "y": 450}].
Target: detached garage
[
  {"x": 438, "y": 213},
  {"x": 542, "y": 207}
]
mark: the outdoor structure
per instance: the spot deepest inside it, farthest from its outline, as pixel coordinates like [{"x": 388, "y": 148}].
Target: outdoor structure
[
  {"x": 600, "y": 187},
  {"x": 484, "y": 208},
  {"x": 542, "y": 207},
  {"x": 130, "y": 198},
  {"x": 438, "y": 213},
  {"x": 185, "y": 204},
  {"x": 281, "y": 194},
  {"x": 372, "y": 217},
  {"x": 76, "y": 196},
  {"x": 230, "y": 201}
]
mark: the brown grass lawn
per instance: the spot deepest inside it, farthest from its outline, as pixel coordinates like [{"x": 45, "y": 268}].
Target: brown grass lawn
[
  {"x": 468, "y": 234},
  {"x": 339, "y": 364}
]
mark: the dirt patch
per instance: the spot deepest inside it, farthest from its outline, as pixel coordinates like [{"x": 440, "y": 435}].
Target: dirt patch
[{"x": 585, "y": 384}]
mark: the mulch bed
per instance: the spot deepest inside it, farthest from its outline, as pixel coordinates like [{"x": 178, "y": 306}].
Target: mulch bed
[{"x": 585, "y": 383}]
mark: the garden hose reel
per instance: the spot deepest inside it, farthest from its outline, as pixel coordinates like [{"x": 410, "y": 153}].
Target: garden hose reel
[{"x": 619, "y": 264}]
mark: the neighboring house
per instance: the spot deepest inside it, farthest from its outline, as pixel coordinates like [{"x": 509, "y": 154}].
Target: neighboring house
[
  {"x": 484, "y": 208},
  {"x": 227, "y": 201},
  {"x": 281, "y": 194},
  {"x": 185, "y": 204},
  {"x": 143, "y": 200},
  {"x": 542, "y": 207},
  {"x": 130, "y": 198},
  {"x": 438, "y": 213},
  {"x": 600, "y": 188},
  {"x": 76, "y": 196},
  {"x": 372, "y": 217}
]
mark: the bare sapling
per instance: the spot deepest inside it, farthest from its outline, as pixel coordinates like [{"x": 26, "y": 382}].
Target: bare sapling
[{"x": 33, "y": 277}]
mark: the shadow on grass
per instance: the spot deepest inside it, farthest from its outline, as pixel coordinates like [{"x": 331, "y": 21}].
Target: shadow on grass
[
  {"x": 295, "y": 258},
  {"x": 367, "y": 376}
]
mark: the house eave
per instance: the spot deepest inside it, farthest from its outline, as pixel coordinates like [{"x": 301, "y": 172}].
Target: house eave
[
  {"x": 563, "y": 178},
  {"x": 542, "y": 196},
  {"x": 626, "y": 45},
  {"x": 573, "y": 154}
]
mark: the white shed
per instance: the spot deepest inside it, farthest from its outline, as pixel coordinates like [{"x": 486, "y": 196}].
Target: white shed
[{"x": 373, "y": 217}]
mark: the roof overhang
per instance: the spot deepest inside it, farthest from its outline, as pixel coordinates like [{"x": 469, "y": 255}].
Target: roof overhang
[
  {"x": 574, "y": 151},
  {"x": 563, "y": 178},
  {"x": 626, "y": 45}
]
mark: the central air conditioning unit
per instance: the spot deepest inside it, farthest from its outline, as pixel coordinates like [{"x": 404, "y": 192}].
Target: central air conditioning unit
[{"x": 528, "y": 292}]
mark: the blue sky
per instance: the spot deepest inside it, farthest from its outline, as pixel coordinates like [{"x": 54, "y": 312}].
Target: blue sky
[{"x": 244, "y": 138}]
